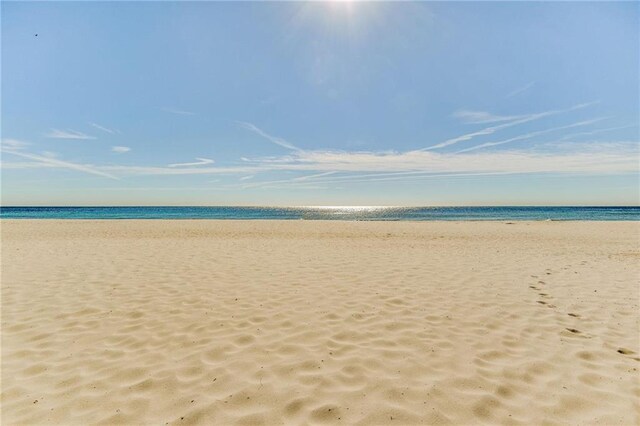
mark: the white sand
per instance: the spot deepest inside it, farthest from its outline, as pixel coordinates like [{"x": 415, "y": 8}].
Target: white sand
[{"x": 227, "y": 322}]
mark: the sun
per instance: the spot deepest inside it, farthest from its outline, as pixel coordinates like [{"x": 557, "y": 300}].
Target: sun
[
  {"x": 342, "y": 4},
  {"x": 348, "y": 20},
  {"x": 344, "y": 10}
]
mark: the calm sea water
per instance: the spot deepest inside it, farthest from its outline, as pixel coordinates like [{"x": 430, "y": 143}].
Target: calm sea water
[{"x": 326, "y": 213}]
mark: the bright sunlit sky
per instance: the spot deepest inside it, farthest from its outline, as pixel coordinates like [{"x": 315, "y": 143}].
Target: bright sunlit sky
[{"x": 324, "y": 103}]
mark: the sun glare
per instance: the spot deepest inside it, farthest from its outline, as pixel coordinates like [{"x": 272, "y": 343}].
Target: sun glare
[{"x": 342, "y": 5}]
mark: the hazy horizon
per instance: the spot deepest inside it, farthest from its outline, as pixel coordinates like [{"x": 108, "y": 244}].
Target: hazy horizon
[
  {"x": 320, "y": 104},
  {"x": 325, "y": 205}
]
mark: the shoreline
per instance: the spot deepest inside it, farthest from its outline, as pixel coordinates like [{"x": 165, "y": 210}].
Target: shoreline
[{"x": 328, "y": 220}]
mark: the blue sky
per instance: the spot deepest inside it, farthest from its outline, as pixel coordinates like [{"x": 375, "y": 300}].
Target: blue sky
[{"x": 324, "y": 103}]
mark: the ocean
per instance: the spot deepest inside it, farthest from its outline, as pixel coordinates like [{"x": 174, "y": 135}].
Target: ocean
[{"x": 326, "y": 213}]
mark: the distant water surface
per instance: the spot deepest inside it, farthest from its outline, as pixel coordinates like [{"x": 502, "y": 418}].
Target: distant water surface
[{"x": 326, "y": 213}]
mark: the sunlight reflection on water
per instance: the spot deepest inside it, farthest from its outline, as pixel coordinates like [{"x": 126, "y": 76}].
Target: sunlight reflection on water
[{"x": 325, "y": 213}]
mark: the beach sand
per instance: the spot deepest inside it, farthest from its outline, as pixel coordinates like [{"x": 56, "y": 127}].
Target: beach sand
[{"x": 303, "y": 322}]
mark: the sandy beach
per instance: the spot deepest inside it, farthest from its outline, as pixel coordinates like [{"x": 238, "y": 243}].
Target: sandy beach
[{"x": 313, "y": 322}]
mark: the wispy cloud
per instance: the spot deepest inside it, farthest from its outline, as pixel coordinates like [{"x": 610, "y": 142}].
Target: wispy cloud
[
  {"x": 274, "y": 139},
  {"x": 200, "y": 162},
  {"x": 120, "y": 149},
  {"x": 481, "y": 117},
  {"x": 347, "y": 176},
  {"x": 315, "y": 176},
  {"x": 521, "y": 89},
  {"x": 21, "y": 165},
  {"x": 176, "y": 171},
  {"x": 339, "y": 167},
  {"x": 54, "y": 162},
  {"x": 619, "y": 158},
  {"x": 600, "y": 158},
  {"x": 386, "y": 177},
  {"x": 104, "y": 129},
  {"x": 484, "y": 132},
  {"x": 502, "y": 161},
  {"x": 491, "y": 130},
  {"x": 178, "y": 111},
  {"x": 67, "y": 134},
  {"x": 13, "y": 144},
  {"x": 316, "y": 168},
  {"x": 532, "y": 134},
  {"x": 159, "y": 188},
  {"x": 296, "y": 180},
  {"x": 593, "y": 132}
]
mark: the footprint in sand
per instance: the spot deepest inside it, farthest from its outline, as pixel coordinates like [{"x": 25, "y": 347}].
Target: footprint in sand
[
  {"x": 573, "y": 330},
  {"x": 571, "y": 314}
]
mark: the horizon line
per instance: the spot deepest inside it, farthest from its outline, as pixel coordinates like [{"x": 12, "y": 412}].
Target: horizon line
[{"x": 324, "y": 206}]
